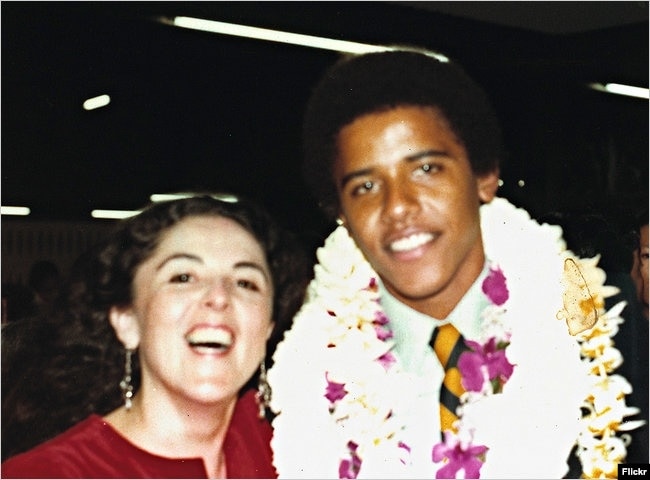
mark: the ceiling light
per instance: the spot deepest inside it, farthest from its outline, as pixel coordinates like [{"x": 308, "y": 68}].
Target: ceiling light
[
  {"x": 113, "y": 214},
  {"x": 274, "y": 35},
  {"x": 7, "y": 210},
  {"x": 286, "y": 37},
  {"x": 163, "y": 197},
  {"x": 97, "y": 102},
  {"x": 619, "y": 89}
]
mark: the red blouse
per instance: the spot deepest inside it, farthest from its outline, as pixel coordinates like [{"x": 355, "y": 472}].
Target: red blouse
[{"x": 93, "y": 449}]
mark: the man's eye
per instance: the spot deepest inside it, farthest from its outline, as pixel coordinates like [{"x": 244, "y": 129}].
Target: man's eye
[
  {"x": 363, "y": 188},
  {"x": 427, "y": 168},
  {"x": 181, "y": 278}
]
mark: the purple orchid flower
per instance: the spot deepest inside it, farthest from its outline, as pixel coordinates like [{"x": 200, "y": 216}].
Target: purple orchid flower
[
  {"x": 495, "y": 288},
  {"x": 383, "y": 333},
  {"x": 380, "y": 318},
  {"x": 381, "y": 330},
  {"x": 373, "y": 286},
  {"x": 349, "y": 468},
  {"x": 387, "y": 360},
  {"x": 404, "y": 447},
  {"x": 493, "y": 357},
  {"x": 334, "y": 391},
  {"x": 459, "y": 457}
]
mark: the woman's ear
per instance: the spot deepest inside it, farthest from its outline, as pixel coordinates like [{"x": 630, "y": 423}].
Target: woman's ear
[
  {"x": 270, "y": 331},
  {"x": 488, "y": 185},
  {"x": 125, "y": 324}
]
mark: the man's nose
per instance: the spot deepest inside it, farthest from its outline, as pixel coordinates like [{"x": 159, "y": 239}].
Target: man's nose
[{"x": 399, "y": 202}]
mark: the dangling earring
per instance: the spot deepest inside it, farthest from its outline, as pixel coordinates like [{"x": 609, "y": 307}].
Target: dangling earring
[
  {"x": 340, "y": 222},
  {"x": 125, "y": 384},
  {"x": 263, "y": 395}
]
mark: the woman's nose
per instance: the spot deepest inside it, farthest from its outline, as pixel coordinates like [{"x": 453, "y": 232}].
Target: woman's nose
[{"x": 217, "y": 295}]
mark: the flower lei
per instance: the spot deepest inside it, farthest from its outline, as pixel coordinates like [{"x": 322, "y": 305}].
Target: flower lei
[{"x": 344, "y": 419}]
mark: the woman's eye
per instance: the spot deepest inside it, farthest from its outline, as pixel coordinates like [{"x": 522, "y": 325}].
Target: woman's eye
[
  {"x": 181, "y": 278},
  {"x": 247, "y": 284}
]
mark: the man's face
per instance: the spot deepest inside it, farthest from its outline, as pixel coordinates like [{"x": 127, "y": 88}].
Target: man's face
[{"x": 411, "y": 202}]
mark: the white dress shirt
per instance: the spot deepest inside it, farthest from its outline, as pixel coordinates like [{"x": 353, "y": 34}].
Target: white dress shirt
[{"x": 412, "y": 332}]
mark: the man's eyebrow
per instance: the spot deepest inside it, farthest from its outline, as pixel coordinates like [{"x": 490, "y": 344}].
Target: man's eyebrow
[
  {"x": 410, "y": 158},
  {"x": 426, "y": 153},
  {"x": 352, "y": 175}
]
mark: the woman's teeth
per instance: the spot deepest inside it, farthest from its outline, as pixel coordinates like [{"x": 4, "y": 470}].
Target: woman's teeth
[{"x": 210, "y": 338}]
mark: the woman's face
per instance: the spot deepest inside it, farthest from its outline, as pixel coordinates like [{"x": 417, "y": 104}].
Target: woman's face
[{"x": 201, "y": 312}]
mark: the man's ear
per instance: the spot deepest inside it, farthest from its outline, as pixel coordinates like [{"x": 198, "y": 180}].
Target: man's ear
[
  {"x": 125, "y": 324},
  {"x": 488, "y": 185}
]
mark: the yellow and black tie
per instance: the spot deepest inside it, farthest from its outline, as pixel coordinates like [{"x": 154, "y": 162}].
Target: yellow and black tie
[{"x": 448, "y": 344}]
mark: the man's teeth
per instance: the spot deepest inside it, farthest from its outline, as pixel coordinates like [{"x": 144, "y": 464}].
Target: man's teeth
[
  {"x": 410, "y": 242},
  {"x": 210, "y": 337}
]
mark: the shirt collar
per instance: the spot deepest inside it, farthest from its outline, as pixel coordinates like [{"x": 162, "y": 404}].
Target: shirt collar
[{"x": 412, "y": 329}]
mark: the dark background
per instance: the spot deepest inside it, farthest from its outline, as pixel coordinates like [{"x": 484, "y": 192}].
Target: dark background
[{"x": 195, "y": 110}]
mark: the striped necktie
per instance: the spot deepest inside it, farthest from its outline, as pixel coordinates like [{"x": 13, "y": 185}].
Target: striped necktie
[{"x": 448, "y": 344}]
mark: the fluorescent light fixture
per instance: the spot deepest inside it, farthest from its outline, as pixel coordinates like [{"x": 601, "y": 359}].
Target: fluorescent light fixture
[
  {"x": 282, "y": 37},
  {"x": 113, "y": 214},
  {"x": 160, "y": 197},
  {"x": 163, "y": 197},
  {"x": 618, "y": 89},
  {"x": 21, "y": 211},
  {"x": 97, "y": 102},
  {"x": 275, "y": 35}
]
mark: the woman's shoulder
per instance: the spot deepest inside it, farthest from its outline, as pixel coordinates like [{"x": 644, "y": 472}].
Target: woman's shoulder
[
  {"x": 247, "y": 444},
  {"x": 58, "y": 457},
  {"x": 94, "y": 449}
]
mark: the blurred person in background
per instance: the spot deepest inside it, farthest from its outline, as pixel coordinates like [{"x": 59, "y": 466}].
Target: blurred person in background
[
  {"x": 45, "y": 282},
  {"x": 639, "y": 269}
]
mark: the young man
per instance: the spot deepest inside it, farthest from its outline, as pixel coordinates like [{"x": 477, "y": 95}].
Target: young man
[{"x": 403, "y": 149}]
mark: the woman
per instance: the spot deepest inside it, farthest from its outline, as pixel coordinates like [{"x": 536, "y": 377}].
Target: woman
[{"x": 182, "y": 299}]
